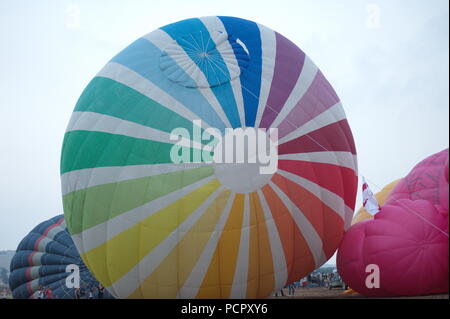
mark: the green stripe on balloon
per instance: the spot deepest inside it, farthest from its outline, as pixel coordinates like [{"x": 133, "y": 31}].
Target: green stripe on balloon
[
  {"x": 92, "y": 206},
  {"x": 107, "y": 96},
  {"x": 88, "y": 149}
]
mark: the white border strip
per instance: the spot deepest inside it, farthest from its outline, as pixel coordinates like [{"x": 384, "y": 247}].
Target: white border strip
[{"x": 128, "y": 283}]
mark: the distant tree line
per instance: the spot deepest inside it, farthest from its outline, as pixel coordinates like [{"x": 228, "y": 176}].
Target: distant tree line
[{"x": 4, "y": 275}]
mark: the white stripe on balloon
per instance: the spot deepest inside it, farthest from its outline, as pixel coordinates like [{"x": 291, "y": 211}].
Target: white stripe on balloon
[
  {"x": 91, "y": 121},
  {"x": 332, "y": 115},
  {"x": 137, "y": 82},
  {"x": 213, "y": 24},
  {"x": 90, "y": 177},
  {"x": 268, "y": 51},
  {"x": 332, "y": 200},
  {"x": 128, "y": 283},
  {"x": 161, "y": 39},
  {"x": 276, "y": 247},
  {"x": 101, "y": 233},
  {"x": 307, "y": 75},
  {"x": 239, "y": 287},
  {"x": 344, "y": 159},
  {"x": 308, "y": 231},
  {"x": 193, "y": 282}
]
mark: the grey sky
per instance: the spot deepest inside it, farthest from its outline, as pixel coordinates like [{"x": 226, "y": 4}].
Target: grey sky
[{"x": 387, "y": 60}]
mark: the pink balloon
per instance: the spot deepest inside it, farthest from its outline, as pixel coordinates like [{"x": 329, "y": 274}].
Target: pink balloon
[
  {"x": 428, "y": 180},
  {"x": 407, "y": 240}
]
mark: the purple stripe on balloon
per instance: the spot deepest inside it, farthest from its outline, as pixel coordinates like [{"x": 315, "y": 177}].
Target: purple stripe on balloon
[
  {"x": 288, "y": 66},
  {"x": 319, "y": 98}
]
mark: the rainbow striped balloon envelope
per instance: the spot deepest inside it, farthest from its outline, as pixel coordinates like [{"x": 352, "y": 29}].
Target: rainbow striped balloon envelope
[{"x": 208, "y": 159}]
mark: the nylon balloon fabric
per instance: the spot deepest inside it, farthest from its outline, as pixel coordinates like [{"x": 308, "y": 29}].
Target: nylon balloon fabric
[
  {"x": 149, "y": 226},
  {"x": 41, "y": 260},
  {"x": 407, "y": 240}
]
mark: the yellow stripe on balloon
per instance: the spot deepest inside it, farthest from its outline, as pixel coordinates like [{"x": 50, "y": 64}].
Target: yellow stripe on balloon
[
  {"x": 145, "y": 236},
  {"x": 260, "y": 282},
  {"x": 168, "y": 278},
  {"x": 219, "y": 277}
]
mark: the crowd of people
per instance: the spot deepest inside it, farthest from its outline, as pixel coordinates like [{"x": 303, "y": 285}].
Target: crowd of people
[
  {"x": 78, "y": 293},
  {"x": 314, "y": 279},
  {"x": 322, "y": 279}
]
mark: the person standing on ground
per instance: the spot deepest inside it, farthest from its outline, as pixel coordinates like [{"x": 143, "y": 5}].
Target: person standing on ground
[
  {"x": 41, "y": 294},
  {"x": 48, "y": 293},
  {"x": 101, "y": 291},
  {"x": 281, "y": 292},
  {"x": 291, "y": 289},
  {"x": 77, "y": 293}
]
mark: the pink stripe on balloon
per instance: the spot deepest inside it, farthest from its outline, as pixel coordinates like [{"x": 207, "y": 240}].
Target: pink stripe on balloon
[
  {"x": 319, "y": 98},
  {"x": 335, "y": 137},
  {"x": 36, "y": 245},
  {"x": 30, "y": 258},
  {"x": 288, "y": 66}
]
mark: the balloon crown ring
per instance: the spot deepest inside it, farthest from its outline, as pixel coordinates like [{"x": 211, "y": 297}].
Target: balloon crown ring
[{"x": 209, "y": 59}]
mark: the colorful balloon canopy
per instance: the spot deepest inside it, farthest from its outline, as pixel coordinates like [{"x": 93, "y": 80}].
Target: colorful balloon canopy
[
  {"x": 381, "y": 196},
  {"x": 151, "y": 226},
  {"x": 41, "y": 260},
  {"x": 407, "y": 240}
]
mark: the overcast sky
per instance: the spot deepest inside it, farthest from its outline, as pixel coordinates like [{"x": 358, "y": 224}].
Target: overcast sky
[{"x": 387, "y": 60}]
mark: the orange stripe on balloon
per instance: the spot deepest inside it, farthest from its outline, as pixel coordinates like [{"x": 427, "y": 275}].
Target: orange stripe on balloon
[
  {"x": 219, "y": 277},
  {"x": 299, "y": 259},
  {"x": 260, "y": 278},
  {"x": 328, "y": 224}
]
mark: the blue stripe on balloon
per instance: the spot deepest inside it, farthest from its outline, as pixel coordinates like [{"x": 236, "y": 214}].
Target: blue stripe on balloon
[
  {"x": 195, "y": 29},
  {"x": 248, "y": 33},
  {"x": 225, "y": 96},
  {"x": 140, "y": 57},
  {"x": 194, "y": 38}
]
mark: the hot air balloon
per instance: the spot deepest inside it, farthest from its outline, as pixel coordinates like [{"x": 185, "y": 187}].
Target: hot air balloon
[
  {"x": 41, "y": 260},
  {"x": 363, "y": 214},
  {"x": 403, "y": 250},
  {"x": 151, "y": 207}
]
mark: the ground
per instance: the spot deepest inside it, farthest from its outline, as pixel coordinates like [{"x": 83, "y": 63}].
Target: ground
[{"x": 324, "y": 293}]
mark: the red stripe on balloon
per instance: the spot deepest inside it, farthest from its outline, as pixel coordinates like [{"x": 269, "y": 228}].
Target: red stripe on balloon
[
  {"x": 333, "y": 137},
  {"x": 299, "y": 259},
  {"x": 311, "y": 209},
  {"x": 327, "y": 223},
  {"x": 30, "y": 258},
  {"x": 36, "y": 245},
  {"x": 337, "y": 179}
]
